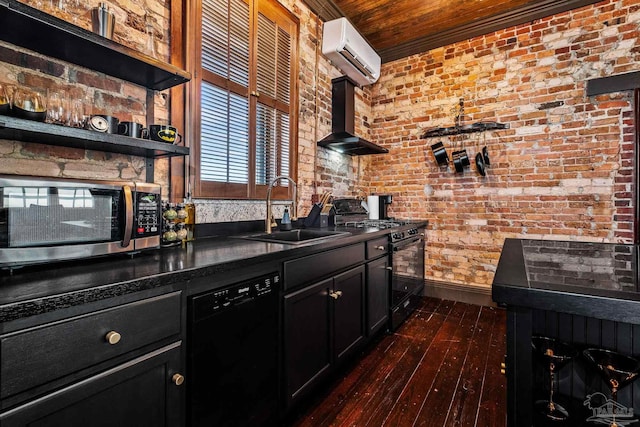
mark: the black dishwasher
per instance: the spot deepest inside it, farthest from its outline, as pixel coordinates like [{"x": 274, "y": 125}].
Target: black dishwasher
[{"x": 233, "y": 355}]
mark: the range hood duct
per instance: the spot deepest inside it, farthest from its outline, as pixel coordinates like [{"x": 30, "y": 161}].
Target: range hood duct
[{"x": 342, "y": 137}]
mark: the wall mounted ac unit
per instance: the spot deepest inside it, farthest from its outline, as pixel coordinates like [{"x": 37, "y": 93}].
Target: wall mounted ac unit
[{"x": 349, "y": 51}]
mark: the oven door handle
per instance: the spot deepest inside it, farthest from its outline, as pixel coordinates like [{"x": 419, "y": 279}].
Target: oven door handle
[{"x": 397, "y": 246}]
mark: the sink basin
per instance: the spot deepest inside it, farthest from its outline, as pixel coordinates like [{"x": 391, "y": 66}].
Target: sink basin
[{"x": 294, "y": 237}]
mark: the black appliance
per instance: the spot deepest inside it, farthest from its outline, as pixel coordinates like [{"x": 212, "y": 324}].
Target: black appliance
[
  {"x": 383, "y": 206},
  {"x": 233, "y": 363},
  {"x": 349, "y": 210},
  {"x": 45, "y": 219},
  {"x": 407, "y": 278},
  {"x": 342, "y": 137}
]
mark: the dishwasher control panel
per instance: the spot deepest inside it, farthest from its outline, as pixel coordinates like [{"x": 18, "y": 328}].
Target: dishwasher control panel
[{"x": 212, "y": 302}]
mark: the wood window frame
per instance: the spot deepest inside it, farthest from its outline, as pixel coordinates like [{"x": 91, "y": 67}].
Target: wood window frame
[{"x": 185, "y": 104}]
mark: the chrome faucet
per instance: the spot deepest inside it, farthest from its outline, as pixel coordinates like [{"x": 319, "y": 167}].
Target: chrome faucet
[{"x": 269, "y": 221}]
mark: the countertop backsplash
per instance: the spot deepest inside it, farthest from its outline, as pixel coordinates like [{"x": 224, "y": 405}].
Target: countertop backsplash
[{"x": 211, "y": 211}]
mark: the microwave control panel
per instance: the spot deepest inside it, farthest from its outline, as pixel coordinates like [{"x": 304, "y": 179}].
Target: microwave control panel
[{"x": 147, "y": 214}]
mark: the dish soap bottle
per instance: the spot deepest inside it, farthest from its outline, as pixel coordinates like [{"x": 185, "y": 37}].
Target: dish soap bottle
[{"x": 285, "y": 224}]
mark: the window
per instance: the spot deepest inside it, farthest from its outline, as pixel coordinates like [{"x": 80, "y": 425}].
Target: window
[{"x": 245, "y": 100}]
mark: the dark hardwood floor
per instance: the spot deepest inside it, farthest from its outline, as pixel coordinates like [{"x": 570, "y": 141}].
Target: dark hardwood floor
[{"x": 440, "y": 368}]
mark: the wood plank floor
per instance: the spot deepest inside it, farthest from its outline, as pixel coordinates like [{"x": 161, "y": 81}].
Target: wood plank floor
[{"x": 440, "y": 368}]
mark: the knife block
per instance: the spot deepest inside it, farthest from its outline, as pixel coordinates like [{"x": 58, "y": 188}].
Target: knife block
[{"x": 318, "y": 219}]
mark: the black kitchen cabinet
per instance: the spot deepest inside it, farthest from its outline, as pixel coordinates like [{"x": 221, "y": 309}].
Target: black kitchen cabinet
[
  {"x": 378, "y": 277},
  {"x": 307, "y": 338},
  {"x": 144, "y": 392},
  {"x": 348, "y": 319},
  {"x": 583, "y": 294},
  {"x": 118, "y": 366},
  {"x": 323, "y": 325}
]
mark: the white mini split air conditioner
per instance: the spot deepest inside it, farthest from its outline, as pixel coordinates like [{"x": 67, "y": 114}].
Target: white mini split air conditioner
[{"x": 350, "y": 52}]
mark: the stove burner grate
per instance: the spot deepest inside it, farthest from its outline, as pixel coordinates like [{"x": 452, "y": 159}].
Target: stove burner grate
[{"x": 379, "y": 223}]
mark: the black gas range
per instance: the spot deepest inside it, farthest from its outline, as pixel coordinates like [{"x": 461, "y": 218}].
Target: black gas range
[{"x": 406, "y": 246}]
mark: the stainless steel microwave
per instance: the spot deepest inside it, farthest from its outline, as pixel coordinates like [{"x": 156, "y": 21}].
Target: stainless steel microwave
[{"x": 47, "y": 219}]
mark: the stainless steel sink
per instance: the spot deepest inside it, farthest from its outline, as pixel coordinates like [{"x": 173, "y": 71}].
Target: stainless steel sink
[{"x": 296, "y": 237}]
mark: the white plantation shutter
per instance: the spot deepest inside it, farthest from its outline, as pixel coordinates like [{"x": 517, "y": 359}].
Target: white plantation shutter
[{"x": 230, "y": 153}]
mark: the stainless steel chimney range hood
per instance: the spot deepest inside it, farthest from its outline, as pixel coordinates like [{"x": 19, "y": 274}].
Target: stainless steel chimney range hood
[{"x": 342, "y": 137}]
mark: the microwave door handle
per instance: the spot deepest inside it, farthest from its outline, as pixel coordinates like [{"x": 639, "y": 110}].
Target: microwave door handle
[{"x": 128, "y": 216}]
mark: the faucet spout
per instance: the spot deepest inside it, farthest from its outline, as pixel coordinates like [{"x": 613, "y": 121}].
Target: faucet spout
[{"x": 294, "y": 209}]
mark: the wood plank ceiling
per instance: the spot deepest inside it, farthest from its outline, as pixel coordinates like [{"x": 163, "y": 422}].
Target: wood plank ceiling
[{"x": 400, "y": 28}]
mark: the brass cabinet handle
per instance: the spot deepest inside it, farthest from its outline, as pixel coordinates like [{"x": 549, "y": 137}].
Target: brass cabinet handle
[
  {"x": 335, "y": 295},
  {"x": 112, "y": 337},
  {"x": 380, "y": 248},
  {"x": 177, "y": 379}
]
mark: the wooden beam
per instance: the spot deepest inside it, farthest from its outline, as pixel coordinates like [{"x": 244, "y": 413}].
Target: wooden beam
[
  {"x": 328, "y": 10},
  {"x": 487, "y": 25}
]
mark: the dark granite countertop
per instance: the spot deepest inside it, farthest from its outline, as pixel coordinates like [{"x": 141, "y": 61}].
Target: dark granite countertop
[
  {"x": 591, "y": 279},
  {"x": 37, "y": 290}
]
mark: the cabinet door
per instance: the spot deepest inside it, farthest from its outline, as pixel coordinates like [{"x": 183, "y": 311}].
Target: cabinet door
[
  {"x": 348, "y": 325},
  {"x": 141, "y": 392},
  {"x": 377, "y": 295},
  {"x": 307, "y": 354}
]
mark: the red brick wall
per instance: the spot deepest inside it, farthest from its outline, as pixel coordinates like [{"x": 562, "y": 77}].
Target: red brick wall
[
  {"x": 102, "y": 95},
  {"x": 563, "y": 169}
]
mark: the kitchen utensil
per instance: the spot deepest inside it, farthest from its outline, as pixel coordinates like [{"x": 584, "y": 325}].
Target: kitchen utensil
[
  {"x": 554, "y": 354},
  {"x": 29, "y": 104},
  {"x": 77, "y": 119},
  {"x": 102, "y": 123},
  {"x": 57, "y": 107},
  {"x": 164, "y": 133},
  {"x": 5, "y": 100},
  {"x": 440, "y": 153},
  {"x": 617, "y": 370},
  {"x": 133, "y": 129},
  {"x": 103, "y": 20},
  {"x": 480, "y": 164},
  {"x": 325, "y": 198},
  {"x": 151, "y": 47},
  {"x": 485, "y": 156},
  {"x": 460, "y": 160}
]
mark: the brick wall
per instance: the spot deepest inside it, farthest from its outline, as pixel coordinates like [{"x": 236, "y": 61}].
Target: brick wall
[
  {"x": 563, "y": 169},
  {"x": 101, "y": 94},
  {"x": 319, "y": 169}
]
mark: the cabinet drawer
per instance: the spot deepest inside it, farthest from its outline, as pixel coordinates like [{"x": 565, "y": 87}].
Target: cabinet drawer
[
  {"x": 39, "y": 355},
  {"x": 310, "y": 268},
  {"x": 377, "y": 247}
]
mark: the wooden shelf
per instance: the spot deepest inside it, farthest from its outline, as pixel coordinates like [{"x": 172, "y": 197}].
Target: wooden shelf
[
  {"x": 33, "y": 29},
  {"x": 12, "y": 128},
  {"x": 470, "y": 128}
]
